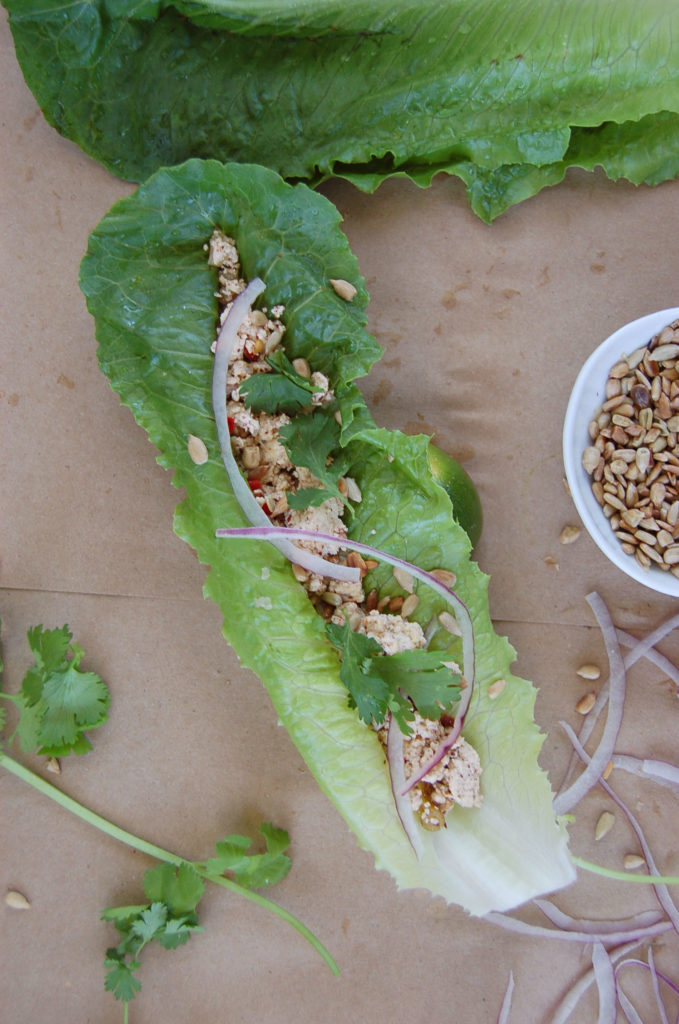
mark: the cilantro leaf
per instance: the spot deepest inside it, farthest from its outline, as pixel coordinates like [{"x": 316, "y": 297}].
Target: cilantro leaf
[
  {"x": 57, "y": 701},
  {"x": 149, "y": 922},
  {"x": 169, "y": 919},
  {"x": 283, "y": 390},
  {"x": 120, "y": 978},
  {"x": 180, "y": 888},
  {"x": 420, "y": 674},
  {"x": 313, "y": 441},
  {"x": 306, "y": 497},
  {"x": 252, "y": 870},
  {"x": 368, "y": 691},
  {"x": 380, "y": 683}
]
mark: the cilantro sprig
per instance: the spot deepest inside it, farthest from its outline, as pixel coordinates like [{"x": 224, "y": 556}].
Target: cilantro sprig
[
  {"x": 379, "y": 683},
  {"x": 174, "y": 891},
  {"x": 58, "y": 702},
  {"x": 283, "y": 390},
  {"x": 313, "y": 441},
  {"x": 51, "y": 702}
]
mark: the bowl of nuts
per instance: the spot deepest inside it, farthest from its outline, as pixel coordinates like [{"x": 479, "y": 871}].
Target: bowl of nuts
[{"x": 621, "y": 449}]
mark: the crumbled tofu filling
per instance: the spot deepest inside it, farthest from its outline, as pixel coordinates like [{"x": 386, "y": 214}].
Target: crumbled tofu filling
[{"x": 266, "y": 465}]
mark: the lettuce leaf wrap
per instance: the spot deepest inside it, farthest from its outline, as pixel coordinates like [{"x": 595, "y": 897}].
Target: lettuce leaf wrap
[
  {"x": 506, "y": 95},
  {"x": 152, "y": 294}
]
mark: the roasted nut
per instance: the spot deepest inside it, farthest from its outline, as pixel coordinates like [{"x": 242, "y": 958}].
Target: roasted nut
[{"x": 343, "y": 288}]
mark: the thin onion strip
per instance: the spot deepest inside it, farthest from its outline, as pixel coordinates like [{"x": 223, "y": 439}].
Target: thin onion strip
[
  {"x": 398, "y": 780},
  {"x": 661, "y": 772},
  {"x": 253, "y": 511},
  {"x": 604, "y": 976},
  {"x": 564, "y": 921},
  {"x": 626, "y": 934},
  {"x": 572, "y": 998},
  {"x": 565, "y": 801},
  {"x": 506, "y": 1007},
  {"x": 660, "y": 887}
]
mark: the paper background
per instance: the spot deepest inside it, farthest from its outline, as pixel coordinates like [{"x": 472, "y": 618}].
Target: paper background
[{"x": 484, "y": 329}]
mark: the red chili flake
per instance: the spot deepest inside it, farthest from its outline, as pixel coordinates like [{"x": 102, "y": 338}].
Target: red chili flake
[{"x": 231, "y": 424}]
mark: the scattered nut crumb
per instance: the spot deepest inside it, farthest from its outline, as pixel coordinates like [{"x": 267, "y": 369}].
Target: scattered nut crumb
[
  {"x": 197, "y": 450},
  {"x": 496, "y": 688},
  {"x": 552, "y": 561},
  {"x": 631, "y": 861},
  {"x": 449, "y": 623},
  {"x": 604, "y": 825},
  {"x": 585, "y": 704},
  {"x": 569, "y": 534},
  {"x": 16, "y": 900},
  {"x": 589, "y": 671},
  {"x": 344, "y": 289},
  {"x": 607, "y": 771},
  {"x": 53, "y": 764}
]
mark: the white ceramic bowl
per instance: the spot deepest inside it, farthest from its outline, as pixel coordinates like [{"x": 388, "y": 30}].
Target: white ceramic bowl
[{"x": 586, "y": 398}]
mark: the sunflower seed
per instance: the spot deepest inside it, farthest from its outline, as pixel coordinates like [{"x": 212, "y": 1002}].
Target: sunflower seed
[{"x": 604, "y": 825}]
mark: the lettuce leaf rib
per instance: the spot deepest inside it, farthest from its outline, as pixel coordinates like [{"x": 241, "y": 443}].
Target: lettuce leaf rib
[{"x": 148, "y": 285}]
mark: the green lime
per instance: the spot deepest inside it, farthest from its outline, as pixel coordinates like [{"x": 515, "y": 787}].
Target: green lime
[{"x": 460, "y": 488}]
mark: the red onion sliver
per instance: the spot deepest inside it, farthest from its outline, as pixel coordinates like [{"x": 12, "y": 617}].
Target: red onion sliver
[
  {"x": 226, "y": 340},
  {"x": 513, "y": 924},
  {"x": 661, "y": 890},
  {"x": 639, "y": 649},
  {"x": 604, "y": 975},
  {"x": 634, "y": 962},
  {"x": 398, "y": 779},
  {"x": 627, "y": 1008},
  {"x": 572, "y": 998},
  {"x": 506, "y": 1007},
  {"x": 564, "y": 802},
  {"x": 564, "y": 921},
  {"x": 656, "y": 987},
  {"x": 661, "y": 772},
  {"x": 658, "y": 659}
]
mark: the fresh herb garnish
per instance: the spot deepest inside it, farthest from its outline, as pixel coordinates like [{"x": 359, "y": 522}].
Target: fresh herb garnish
[
  {"x": 380, "y": 683},
  {"x": 175, "y": 886},
  {"x": 174, "y": 891},
  {"x": 313, "y": 441},
  {"x": 170, "y": 920},
  {"x": 58, "y": 702},
  {"x": 282, "y": 390}
]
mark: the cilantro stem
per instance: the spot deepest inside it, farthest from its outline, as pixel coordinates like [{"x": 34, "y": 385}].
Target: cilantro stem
[
  {"x": 158, "y": 853},
  {"x": 624, "y": 876}
]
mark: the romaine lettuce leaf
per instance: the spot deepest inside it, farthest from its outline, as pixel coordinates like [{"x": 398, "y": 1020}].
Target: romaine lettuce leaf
[
  {"x": 152, "y": 294},
  {"x": 495, "y": 92}
]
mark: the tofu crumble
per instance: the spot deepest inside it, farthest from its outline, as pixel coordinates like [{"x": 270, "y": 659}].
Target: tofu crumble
[{"x": 272, "y": 477}]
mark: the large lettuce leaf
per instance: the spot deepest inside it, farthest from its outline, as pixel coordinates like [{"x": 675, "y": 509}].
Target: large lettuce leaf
[
  {"x": 494, "y": 91},
  {"x": 152, "y": 294}
]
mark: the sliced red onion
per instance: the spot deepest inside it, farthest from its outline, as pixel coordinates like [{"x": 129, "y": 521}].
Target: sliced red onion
[
  {"x": 644, "y": 648},
  {"x": 634, "y": 962},
  {"x": 506, "y": 1007},
  {"x": 662, "y": 772},
  {"x": 566, "y": 801},
  {"x": 564, "y": 921},
  {"x": 572, "y": 998},
  {"x": 398, "y": 779},
  {"x": 627, "y": 1008},
  {"x": 658, "y": 659},
  {"x": 513, "y": 924},
  {"x": 655, "y": 982},
  {"x": 661, "y": 890},
  {"x": 226, "y": 340},
  {"x": 604, "y": 976}
]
